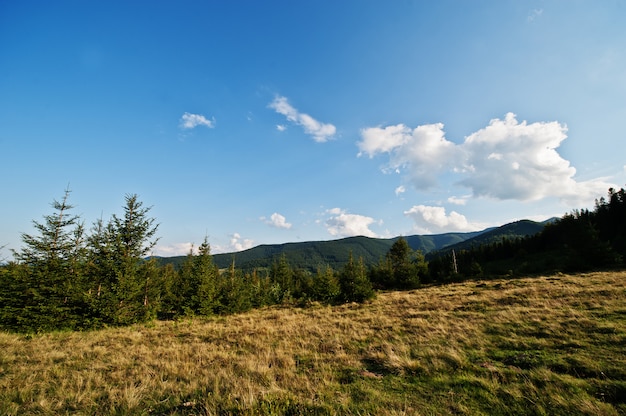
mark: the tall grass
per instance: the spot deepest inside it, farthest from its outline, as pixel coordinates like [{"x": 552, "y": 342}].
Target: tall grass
[{"x": 547, "y": 345}]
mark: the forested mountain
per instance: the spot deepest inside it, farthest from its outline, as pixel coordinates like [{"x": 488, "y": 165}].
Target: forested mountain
[
  {"x": 335, "y": 253},
  {"x": 580, "y": 241},
  {"x": 511, "y": 231}
]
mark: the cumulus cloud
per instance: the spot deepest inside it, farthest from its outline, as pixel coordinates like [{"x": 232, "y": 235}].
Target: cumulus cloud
[
  {"x": 277, "y": 220},
  {"x": 342, "y": 224},
  {"x": 281, "y": 127},
  {"x": 434, "y": 219},
  {"x": 423, "y": 152},
  {"x": 505, "y": 160},
  {"x": 320, "y": 132},
  {"x": 190, "y": 121}
]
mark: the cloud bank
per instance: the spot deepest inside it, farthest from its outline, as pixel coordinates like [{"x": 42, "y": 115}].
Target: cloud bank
[
  {"x": 190, "y": 121},
  {"x": 507, "y": 160},
  {"x": 320, "y": 132}
]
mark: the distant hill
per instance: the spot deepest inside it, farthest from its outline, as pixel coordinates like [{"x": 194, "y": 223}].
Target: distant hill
[
  {"x": 514, "y": 230},
  {"x": 335, "y": 253}
]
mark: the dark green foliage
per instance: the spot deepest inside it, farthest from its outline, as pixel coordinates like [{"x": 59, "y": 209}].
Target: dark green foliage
[
  {"x": 402, "y": 268},
  {"x": 195, "y": 288},
  {"x": 44, "y": 288},
  {"x": 234, "y": 292},
  {"x": 354, "y": 284},
  {"x": 122, "y": 281},
  {"x": 314, "y": 254},
  {"x": 281, "y": 276},
  {"x": 512, "y": 231},
  {"x": 325, "y": 286},
  {"x": 580, "y": 241}
]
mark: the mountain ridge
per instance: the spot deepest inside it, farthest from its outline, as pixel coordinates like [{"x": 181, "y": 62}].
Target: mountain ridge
[{"x": 310, "y": 255}]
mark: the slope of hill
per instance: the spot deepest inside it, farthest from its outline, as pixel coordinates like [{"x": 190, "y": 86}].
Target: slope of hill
[
  {"x": 335, "y": 253},
  {"x": 543, "y": 345},
  {"x": 514, "y": 230}
]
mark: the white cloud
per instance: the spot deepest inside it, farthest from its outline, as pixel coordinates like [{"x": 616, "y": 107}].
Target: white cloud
[
  {"x": 277, "y": 220},
  {"x": 238, "y": 244},
  {"x": 432, "y": 219},
  {"x": 341, "y": 224},
  {"x": 176, "y": 249},
  {"x": 190, "y": 121},
  {"x": 383, "y": 140},
  {"x": 400, "y": 190},
  {"x": 505, "y": 160},
  {"x": 423, "y": 151},
  {"x": 459, "y": 200},
  {"x": 321, "y": 132},
  {"x": 281, "y": 127}
]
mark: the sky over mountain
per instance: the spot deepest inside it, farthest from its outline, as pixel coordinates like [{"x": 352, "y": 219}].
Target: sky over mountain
[{"x": 268, "y": 122}]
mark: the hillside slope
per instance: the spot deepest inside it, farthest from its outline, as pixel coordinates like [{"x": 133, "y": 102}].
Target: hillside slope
[
  {"x": 514, "y": 230},
  {"x": 545, "y": 345}
]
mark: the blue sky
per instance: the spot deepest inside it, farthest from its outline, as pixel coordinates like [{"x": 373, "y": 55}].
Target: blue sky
[{"x": 281, "y": 121}]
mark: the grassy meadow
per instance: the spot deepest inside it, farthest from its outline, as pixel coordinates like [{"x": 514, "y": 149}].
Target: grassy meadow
[{"x": 544, "y": 345}]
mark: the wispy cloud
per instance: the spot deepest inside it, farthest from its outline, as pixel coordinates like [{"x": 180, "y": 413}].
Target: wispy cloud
[
  {"x": 400, "y": 190},
  {"x": 190, "y": 121},
  {"x": 459, "y": 200},
  {"x": 342, "y": 224},
  {"x": 276, "y": 220},
  {"x": 507, "y": 160},
  {"x": 534, "y": 14},
  {"x": 320, "y": 132}
]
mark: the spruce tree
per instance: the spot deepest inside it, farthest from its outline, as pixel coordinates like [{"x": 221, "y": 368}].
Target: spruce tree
[
  {"x": 120, "y": 274},
  {"x": 354, "y": 283},
  {"x": 405, "y": 274},
  {"x": 281, "y": 276},
  {"x": 196, "y": 288},
  {"x": 325, "y": 286},
  {"x": 49, "y": 277}
]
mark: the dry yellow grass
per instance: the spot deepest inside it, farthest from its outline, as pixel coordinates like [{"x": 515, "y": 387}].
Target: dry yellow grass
[{"x": 546, "y": 345}]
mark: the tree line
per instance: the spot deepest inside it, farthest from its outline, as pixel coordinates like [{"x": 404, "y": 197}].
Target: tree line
[{"x": 68, "y": 278}]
